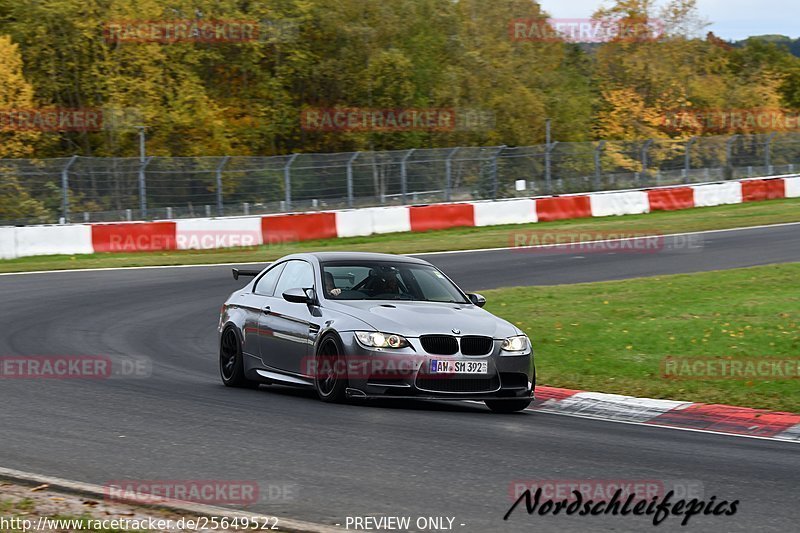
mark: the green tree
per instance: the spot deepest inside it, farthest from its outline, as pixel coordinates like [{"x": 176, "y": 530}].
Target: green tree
[{"x": 16, "y": 202}]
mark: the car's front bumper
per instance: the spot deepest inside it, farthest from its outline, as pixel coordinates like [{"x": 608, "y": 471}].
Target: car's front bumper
[{"x": 406, "y": 374}]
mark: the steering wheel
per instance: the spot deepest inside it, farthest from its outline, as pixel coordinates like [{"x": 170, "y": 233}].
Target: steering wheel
[{"x": 361, "y": 283}]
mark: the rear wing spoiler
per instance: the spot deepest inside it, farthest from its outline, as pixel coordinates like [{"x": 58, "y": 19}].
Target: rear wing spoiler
[{"x": 245, "y": 273}]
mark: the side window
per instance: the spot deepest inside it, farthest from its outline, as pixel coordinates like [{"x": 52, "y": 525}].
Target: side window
[
  {"x": 266, "y": 285},
  {"x": 296, "y": 275}
]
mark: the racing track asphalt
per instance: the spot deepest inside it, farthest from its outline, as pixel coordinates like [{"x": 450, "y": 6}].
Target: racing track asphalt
[{"x": 418, "y": 459}]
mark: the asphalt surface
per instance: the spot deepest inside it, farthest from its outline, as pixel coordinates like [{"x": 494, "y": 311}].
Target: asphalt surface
[
  {"x": 339, "y": 461},
  {"x": 698, "y": 252}
]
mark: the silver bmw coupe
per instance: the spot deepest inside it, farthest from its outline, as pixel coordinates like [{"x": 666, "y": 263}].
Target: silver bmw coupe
[{"x": 365, "y": 326}]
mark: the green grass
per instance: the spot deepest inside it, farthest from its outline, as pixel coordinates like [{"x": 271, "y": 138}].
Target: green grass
[
  {"x": 26, "y": 504},
  {"x": 709, "y": 218},
  {"x": 612, "y": 336}
]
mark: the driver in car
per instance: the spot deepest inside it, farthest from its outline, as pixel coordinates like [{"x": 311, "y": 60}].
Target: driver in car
[
  {"x": 330, "y": 285},
  {"x": 388, "y": 285}
]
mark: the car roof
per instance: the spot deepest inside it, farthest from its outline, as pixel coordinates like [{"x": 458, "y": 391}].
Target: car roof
[{"x": 324, "y": 257}]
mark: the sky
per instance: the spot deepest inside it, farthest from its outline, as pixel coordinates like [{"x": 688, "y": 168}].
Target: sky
[{"x": 730, "y": 19}]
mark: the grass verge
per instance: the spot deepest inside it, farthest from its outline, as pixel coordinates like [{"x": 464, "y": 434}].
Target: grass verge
[
  {"x": 612, "y": 336},
  {"x": 23, "y": 507},
  {"x": 658, "y": 223}
]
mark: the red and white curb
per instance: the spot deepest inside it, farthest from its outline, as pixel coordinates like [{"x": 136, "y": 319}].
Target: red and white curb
[
  {"x": 725, "y": 419},
  {"x": 213, "y": 233}
]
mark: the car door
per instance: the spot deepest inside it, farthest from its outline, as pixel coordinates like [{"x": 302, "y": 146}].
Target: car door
[
  {"x": 286, "y": 328},
  {"x": 255, "y": 303}
]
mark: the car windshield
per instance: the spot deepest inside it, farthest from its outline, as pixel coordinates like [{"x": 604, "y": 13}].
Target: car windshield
[{"x": 378, "y": 280}]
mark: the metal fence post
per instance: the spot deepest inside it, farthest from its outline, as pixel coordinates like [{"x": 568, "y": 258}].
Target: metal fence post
[
  {"x": 548, "y": 174},
  {"x": 494, "y": 170},
  {"x": 647, "y": 144},
  {"x": 220, "y": 208},
  {"x": 548, "y": 178},
  {"x": 687, "y": 161},
  {"x": 404, "y": 175},
  {"x": 547, "y": 150},
  {"x": 143, "y": 186},
  {"x": 768, "y": 152},
  {"x": 729, "y": 156},
  {"x": 598, "y": 164},
  {"x": 65, "y": 188},
  {"x": 448, "y": 173},
  {"x": 287, "y": 181},
  {"x": 350, "y": 178}
]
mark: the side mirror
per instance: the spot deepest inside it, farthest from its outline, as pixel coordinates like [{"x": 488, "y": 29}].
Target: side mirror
[
  {"x": 477, "y": 299},
  {"x": 298, "y": 296}
]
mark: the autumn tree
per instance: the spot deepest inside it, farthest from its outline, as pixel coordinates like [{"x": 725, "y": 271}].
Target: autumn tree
[{"x": 16, "y": 94}]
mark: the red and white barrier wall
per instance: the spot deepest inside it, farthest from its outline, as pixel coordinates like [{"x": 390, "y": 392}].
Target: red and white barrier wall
[{"x": 211, "y": 233}]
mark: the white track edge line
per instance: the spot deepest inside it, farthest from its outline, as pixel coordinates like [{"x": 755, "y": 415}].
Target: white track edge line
[
  {"x": 646, "y": 424},
  {"x": 662, "y": 426}
]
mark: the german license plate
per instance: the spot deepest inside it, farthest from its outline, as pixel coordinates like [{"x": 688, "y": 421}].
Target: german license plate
[{"x": 439, "y": 366}]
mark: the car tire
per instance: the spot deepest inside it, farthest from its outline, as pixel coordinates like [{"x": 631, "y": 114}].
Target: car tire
[
  {"x": 508, "y": 406},
  {"x": 330, "y": 376},
  {"x": 231, "y": 363}
]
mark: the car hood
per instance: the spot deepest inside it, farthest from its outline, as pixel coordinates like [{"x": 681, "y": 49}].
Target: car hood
[{"x": 413, "y": 319}]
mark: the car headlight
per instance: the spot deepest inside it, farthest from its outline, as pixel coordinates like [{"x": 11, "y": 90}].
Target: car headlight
[
  {"x": 520, "y": 343},
  {"x": 376, "y": 339}
]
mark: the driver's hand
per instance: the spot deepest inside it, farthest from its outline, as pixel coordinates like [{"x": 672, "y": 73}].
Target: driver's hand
[{"x": 336, "y": 292}]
